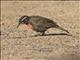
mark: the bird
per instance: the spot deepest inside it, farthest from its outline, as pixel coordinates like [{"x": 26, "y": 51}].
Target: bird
[{"x": 39, "y": 23}]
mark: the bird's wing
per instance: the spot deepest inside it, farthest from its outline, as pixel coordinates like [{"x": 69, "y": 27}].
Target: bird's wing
[
  {"x": 41, "y": 21},
  {"x": 49, "y": 23}
]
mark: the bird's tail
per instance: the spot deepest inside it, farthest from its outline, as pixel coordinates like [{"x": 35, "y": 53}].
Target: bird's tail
[{"x": 63, "y": 29}]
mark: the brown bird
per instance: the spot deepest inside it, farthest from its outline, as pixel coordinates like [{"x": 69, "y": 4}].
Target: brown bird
[{"x": 39, "y": 23}]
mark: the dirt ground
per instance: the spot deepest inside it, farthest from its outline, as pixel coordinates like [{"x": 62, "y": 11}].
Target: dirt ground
[{"x": 21, "y": 44}]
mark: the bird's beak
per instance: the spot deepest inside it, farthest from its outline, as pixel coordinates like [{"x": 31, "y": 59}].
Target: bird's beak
[{"x": 18, "y": 25}]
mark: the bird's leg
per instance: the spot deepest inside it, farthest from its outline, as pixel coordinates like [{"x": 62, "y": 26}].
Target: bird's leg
[
  {"x": 43, "y": 34},
  {"x": 39, "y": 34}
]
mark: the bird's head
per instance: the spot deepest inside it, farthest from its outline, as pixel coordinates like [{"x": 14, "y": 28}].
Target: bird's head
[{"x": 23, "y": 20}]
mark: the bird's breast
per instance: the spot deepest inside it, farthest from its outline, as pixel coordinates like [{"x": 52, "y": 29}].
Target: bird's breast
[{"x": 30, "y": 26}]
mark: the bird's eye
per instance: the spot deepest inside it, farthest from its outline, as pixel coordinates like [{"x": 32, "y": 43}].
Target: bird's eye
[{"x": 23, "y": 19}]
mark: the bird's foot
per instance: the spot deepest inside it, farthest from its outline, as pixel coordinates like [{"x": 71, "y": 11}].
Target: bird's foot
[
  {"x": 43, "y": 35},
  {"x": 37, "y": 35},
  {"x": 40, "y": 35}
]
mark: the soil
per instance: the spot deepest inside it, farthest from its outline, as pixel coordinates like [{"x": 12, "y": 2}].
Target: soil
[{"x": 21, "y": 44}]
